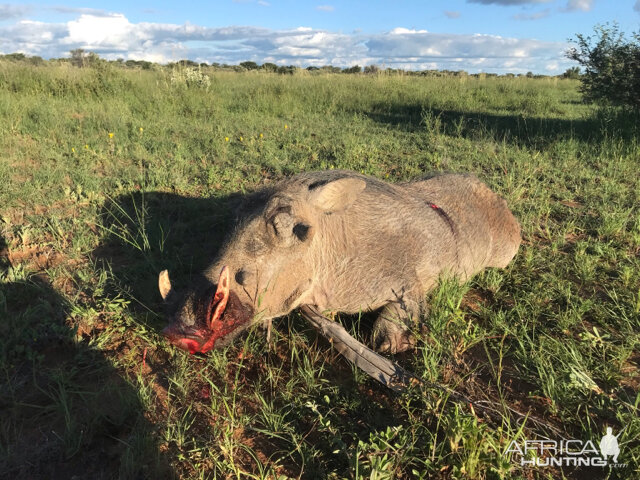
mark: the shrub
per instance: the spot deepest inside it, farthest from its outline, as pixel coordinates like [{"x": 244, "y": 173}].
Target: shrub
[
  {"x": 612, "y": 66},
  {"x": 191, "y": 77}
]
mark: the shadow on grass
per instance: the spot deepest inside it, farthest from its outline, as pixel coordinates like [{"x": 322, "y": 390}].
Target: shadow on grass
[
  {"x": 146, "y": 233},
  {"x": 520, "y": 129},
  {"x": 65, "y": 411}
]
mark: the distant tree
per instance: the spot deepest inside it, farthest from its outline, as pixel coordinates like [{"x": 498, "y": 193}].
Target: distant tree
[
  {"x": 288, "y": 70},
  {"x": 611, "y": 66},
  {"x": 269, "y": 67},
  {"x": 573, "y": 73},
  {"x": 354, "y": 69},
  {"x": 81, "y": 58},
  {"x": 16, "y": 57},
  {"x": 529, "y": 74},
  {"x": 143, "y": 64},
  {"x": 249, "y": 65},
  {"x": 187, "y": 63},
  {"x": 21, "y": 57},
  {"x": 77, "y": 57},
  {"x": 35, "y": 60},
  {"x": 371, "y": 69}
]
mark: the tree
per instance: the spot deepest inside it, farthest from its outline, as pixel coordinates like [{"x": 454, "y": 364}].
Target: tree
[
  {"x": 354, "y": 69},
  {"x": 611, "y": 65},
  {"x": 572, "y": 73},
  {"x": 187, "y": 63},
  {"x": 17, "y": 57},
  {"x": 80, "y": 58},
  {"x": 288, "y": 70},
  {"x": 371, "y": 69},
  {"x": 77, "y": 57},
  {"x": 250, "y": 65}
]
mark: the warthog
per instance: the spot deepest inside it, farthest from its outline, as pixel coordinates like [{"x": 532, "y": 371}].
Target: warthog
[{"x": 345, "y": 242}]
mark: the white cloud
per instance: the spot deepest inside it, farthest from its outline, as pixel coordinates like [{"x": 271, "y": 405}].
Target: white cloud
[
  {"x": 114, "y": 36},
  {"x": 583, "y": 5},
  {"x": 508, "y": 2},
  {"x": 472, "y": 52},
  {"x": 73, "y": 10},
  {"x": 405, "y": 31},
  {"x": 636, "y": 7},
  {"x": 94, "y": 32},
  {"x": 533, "y": 16},
  {"x": 325, "y": 8},
  {"x": 8, "y": 11}
]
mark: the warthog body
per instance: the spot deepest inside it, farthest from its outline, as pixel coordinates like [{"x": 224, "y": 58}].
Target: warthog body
[{"x": 349, "y": 243}]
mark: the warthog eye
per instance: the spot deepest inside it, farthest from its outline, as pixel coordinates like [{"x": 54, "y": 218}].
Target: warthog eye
[
  {"x": 301, "y": 231},
  {"x": 240, "y": 277}
]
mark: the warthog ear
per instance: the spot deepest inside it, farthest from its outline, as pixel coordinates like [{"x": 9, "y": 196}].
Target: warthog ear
[
  {"x": 337, "y": 195},
  {"x": 164, "y": 284}
]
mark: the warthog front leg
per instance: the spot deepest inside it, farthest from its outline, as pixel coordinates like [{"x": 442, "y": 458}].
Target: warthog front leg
[{"x": 391, "y": 331}]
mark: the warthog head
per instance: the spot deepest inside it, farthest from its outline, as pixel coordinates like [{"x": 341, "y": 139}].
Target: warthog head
[{"x": 265, "y": 269}]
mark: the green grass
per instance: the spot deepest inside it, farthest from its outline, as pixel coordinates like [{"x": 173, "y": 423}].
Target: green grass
[{"x": 89, "y": 387}]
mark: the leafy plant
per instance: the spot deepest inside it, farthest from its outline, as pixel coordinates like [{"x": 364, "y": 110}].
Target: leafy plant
[{"x": 612, "y": 66}]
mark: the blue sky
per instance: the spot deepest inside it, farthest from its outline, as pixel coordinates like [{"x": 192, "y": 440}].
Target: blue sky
[{"x": 473, "y": 35}]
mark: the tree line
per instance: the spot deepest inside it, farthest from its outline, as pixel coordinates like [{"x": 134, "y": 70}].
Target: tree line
[{"x": 87, "y": 59}]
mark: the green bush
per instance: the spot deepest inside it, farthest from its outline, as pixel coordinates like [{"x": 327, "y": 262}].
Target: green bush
[{"x": 612, "y": 66}]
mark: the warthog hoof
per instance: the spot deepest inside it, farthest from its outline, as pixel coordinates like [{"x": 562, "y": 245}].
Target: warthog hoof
[{"x": 394, "y": 342}]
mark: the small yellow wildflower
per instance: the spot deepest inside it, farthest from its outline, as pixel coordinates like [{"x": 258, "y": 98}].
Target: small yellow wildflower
[
  {"x": 110, "y": 135},
  {"x": 141, "y": 129},
  {"x": 86, "y": 147},
  {"x": 226, "y": 139},
  {"x": 261, "y": 135},
  {"x": 286, "y": 126},
  {"x": 73, "y": 150},
  {"x": 241, "y": 139}
]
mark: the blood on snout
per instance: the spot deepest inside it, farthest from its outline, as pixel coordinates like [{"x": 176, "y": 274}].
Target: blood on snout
[{"x": 187, "y": 344}]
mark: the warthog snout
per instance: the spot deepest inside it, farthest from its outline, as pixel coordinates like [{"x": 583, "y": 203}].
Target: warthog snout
[{"x": 220, "y": 316}]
